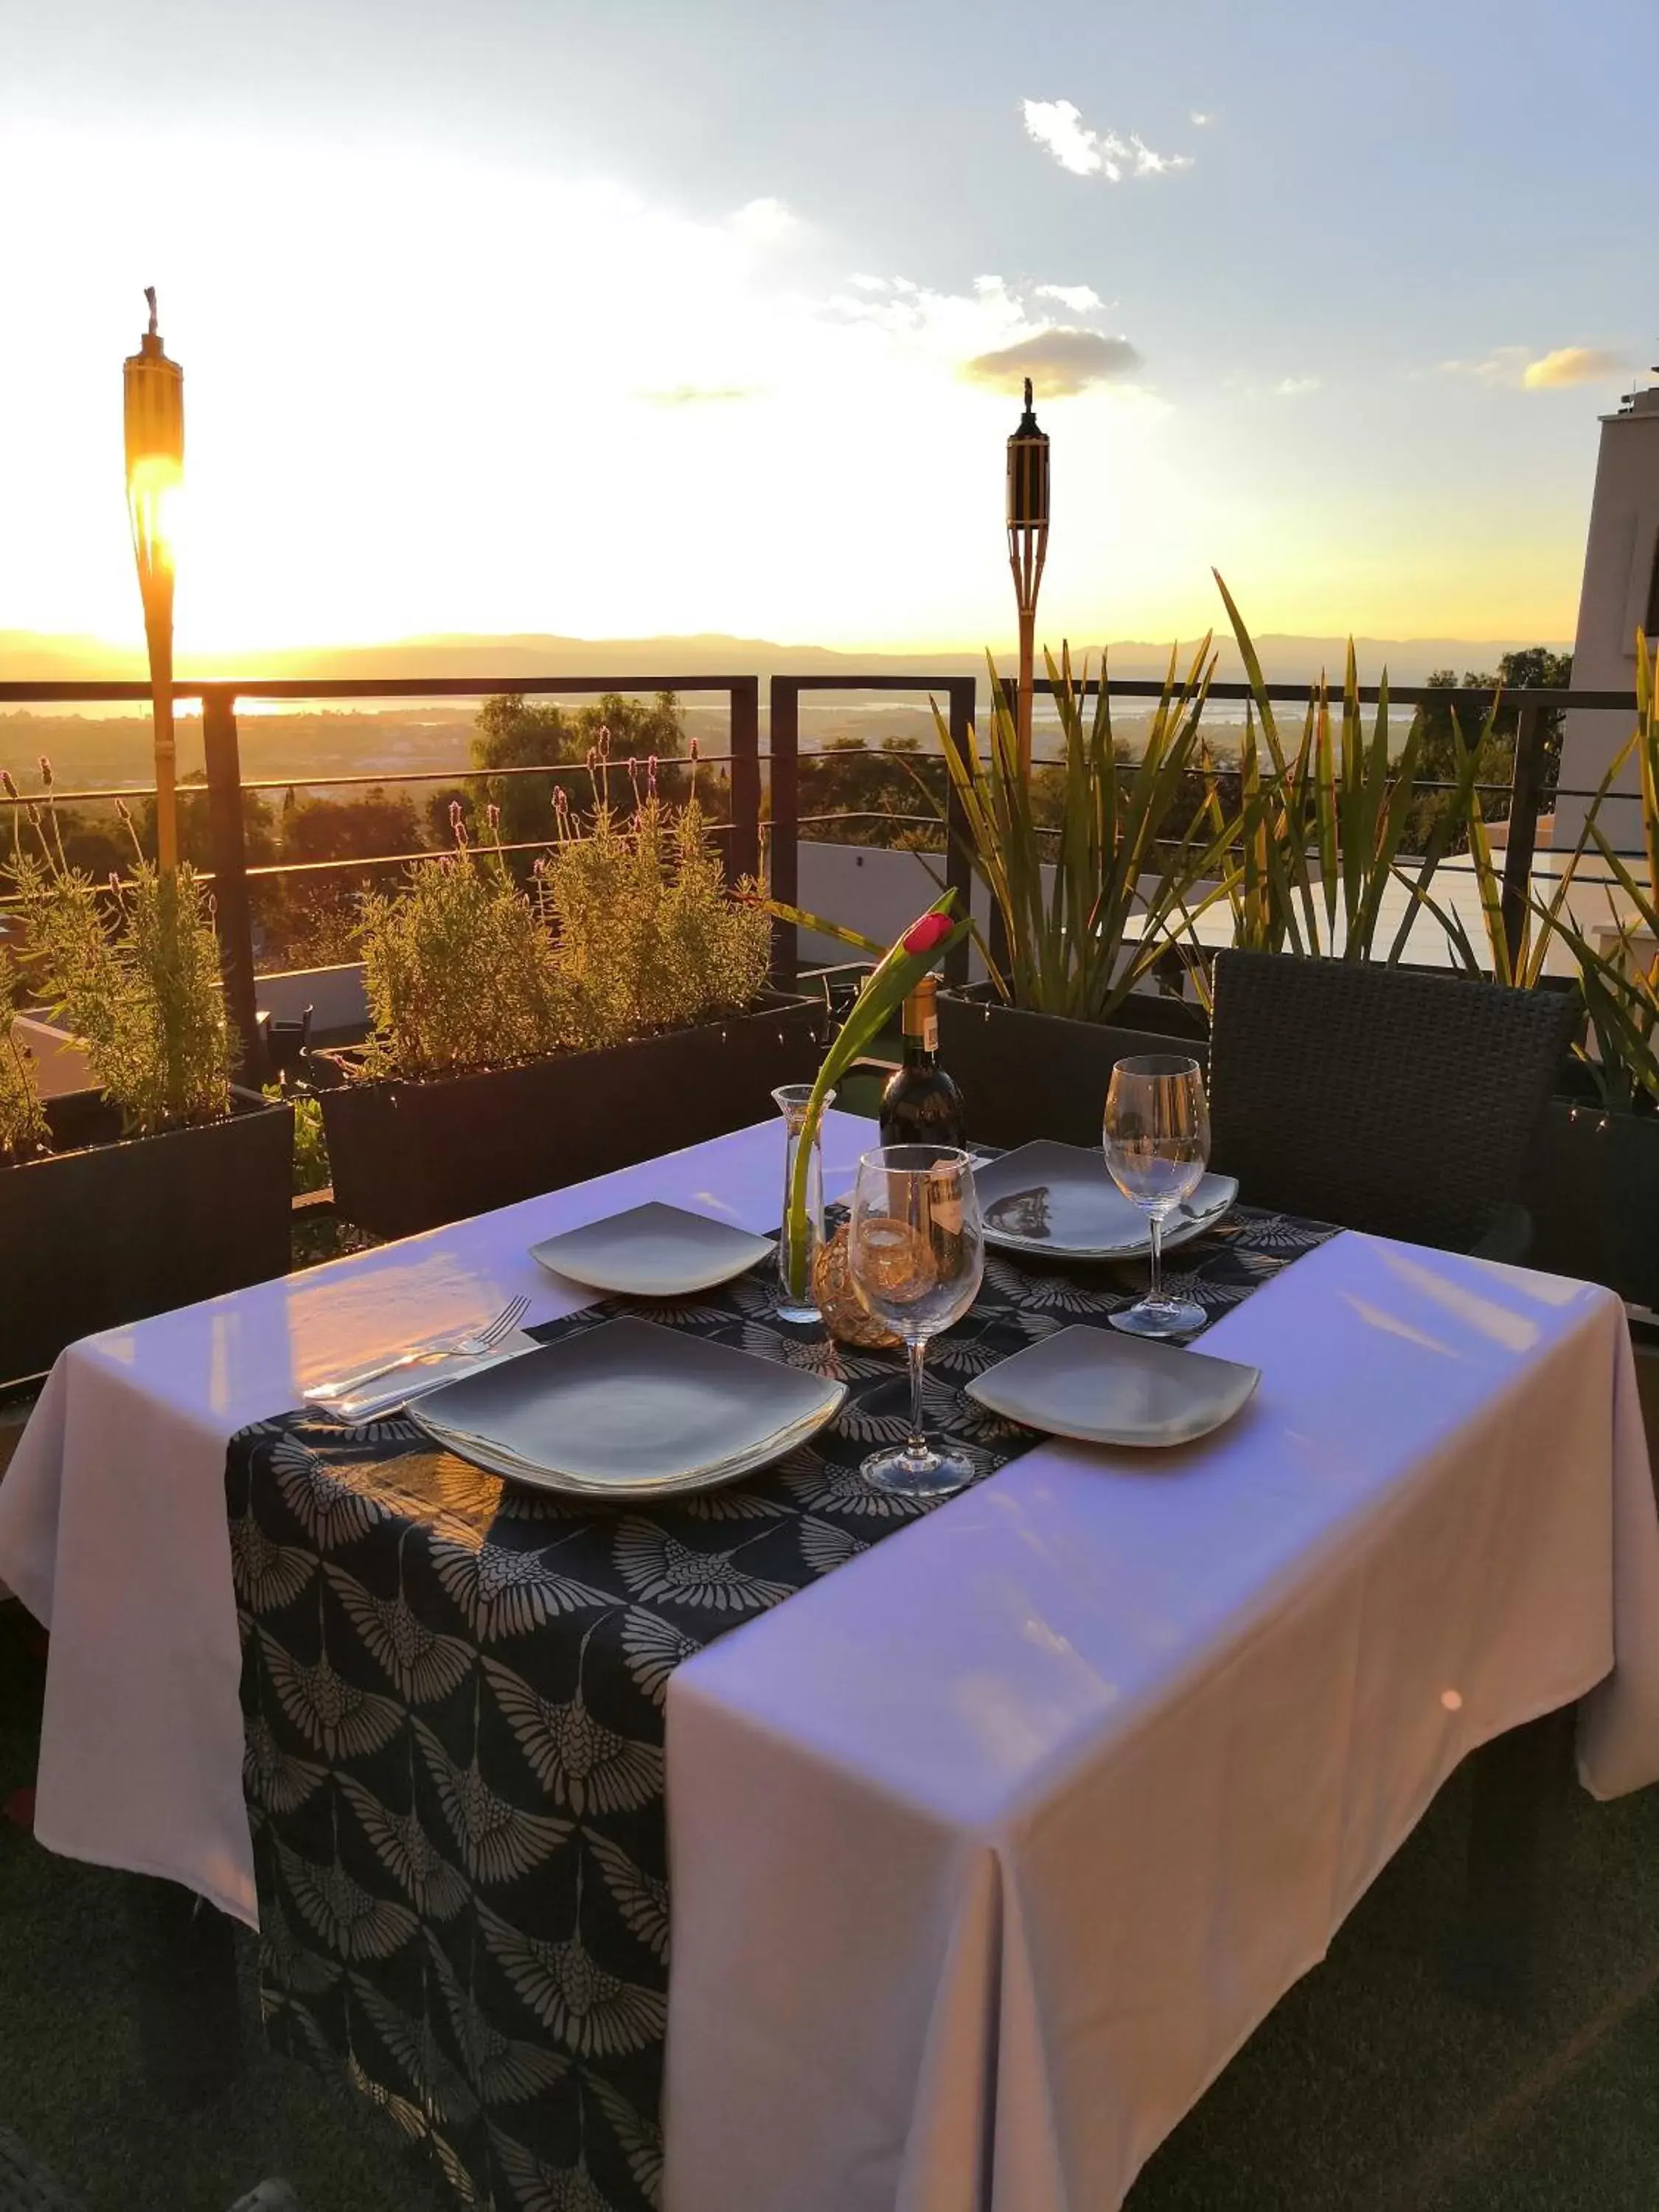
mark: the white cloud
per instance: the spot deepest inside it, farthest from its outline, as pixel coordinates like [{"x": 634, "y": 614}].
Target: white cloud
[
  {"x": 865, "y": 283},
  {"x": 763, "y": 221},
  {"x": 1148, "y": 164},
  {"x": 991, "y": 336},
  {"x": 1503, "y": 365},
  {"x": 1081, "y": 299},
  {"x": 1572, "y": 365},
  {"x": 696, "y": 395},
  {"x": 1199, "y": 119},
  {"x": 1060, "y": 361},
  {"x": 1059, "y": 125},
  {"x": 1517, "y": 366},
  {"x": 643, "y": 418},
  {"x": 1293, "y": 387}
]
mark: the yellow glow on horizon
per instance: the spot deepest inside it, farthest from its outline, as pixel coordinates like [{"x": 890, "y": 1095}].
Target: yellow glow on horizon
[{"x": 424, "y": 400}]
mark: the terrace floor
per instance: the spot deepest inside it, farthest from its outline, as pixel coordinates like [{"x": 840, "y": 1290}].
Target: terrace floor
[{"x": 1375, "y": 2086}]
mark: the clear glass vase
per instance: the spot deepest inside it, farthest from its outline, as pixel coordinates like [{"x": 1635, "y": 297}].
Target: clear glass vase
[{"x": 798, "y": 1241}]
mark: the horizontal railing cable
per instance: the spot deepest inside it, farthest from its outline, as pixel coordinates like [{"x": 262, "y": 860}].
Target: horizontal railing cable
[{"x": 785, "y": 765}]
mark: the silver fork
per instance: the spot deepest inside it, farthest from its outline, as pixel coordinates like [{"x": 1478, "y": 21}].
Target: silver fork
[{"x": 470, "y": 1346}]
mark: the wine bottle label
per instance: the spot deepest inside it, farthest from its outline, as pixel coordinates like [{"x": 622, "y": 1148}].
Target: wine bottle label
[
  {"x": 945, "y": 1204},
  {"x": 930, "y": 1033}
]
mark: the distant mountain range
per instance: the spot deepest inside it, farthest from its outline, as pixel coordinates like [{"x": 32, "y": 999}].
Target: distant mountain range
[{"x": 28, "y": 656}]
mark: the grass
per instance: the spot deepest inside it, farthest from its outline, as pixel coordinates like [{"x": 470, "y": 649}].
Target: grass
[
  {"x": 71, "y": 2085},
  {"x": 1374, "y": 2085},
  {"x": 1373, "y": 2088}
]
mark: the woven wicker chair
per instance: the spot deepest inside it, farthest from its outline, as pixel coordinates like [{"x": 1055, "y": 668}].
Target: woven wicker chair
[{"x": 1380, "y": 1097}]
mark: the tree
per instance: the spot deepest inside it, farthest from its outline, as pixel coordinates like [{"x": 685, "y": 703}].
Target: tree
[
  {"x": 310, "y": 919},
  {"x": 1534, "y": 668},
  {"x": 259, "y": 835},
  {"x": 511, "y": 732},
  {"x": 894, "y": 779},
  {"x": 368, "y": 828}
]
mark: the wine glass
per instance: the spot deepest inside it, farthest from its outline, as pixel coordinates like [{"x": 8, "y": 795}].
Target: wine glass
[
  {"x": 916, "y": 1259},
  {"x": 1156, "y": 1137}
]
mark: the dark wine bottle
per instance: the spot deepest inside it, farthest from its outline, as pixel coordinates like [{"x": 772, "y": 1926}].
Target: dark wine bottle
[{"x": 921, "y": 1105}]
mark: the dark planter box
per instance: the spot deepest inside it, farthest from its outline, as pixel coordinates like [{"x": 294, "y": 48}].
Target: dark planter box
[
  {"x": 1592, "y": 1188},
  {"x": 407, "y": 1156},
  {"x": 1024, "y": 1075},
  {"x": 121, "y": 1229}
]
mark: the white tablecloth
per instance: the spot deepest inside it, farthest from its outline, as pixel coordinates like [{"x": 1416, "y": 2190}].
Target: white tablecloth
[
  {"x": 988, "y": 1849},
  {"x": 113, "y": 1527}
]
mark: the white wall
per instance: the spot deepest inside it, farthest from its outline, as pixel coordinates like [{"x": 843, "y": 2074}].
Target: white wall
[
  {"x": 870, "y": 890},
  {"x": 335, "y": 996},
  {"x": 1618, "y": 563},
  {"x": 60, "y": 1060},
  {"x": 879, "y": 892}
]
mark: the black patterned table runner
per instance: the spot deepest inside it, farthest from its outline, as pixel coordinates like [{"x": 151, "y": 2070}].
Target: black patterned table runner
[{"x": 453, "y": 1692}]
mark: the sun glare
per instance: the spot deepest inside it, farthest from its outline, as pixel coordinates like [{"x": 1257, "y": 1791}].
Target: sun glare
[{"x": 673, "y": 428}]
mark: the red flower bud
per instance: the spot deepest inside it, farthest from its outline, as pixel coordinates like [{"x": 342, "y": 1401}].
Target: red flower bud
[{"x": 930, "y": 931}]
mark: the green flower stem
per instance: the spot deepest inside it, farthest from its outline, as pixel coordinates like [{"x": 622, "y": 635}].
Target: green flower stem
[{"x": 889, "y": 983}]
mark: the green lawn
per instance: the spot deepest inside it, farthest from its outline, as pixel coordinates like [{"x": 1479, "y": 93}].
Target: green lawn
[
  {"x": 71, "y": 2083},
  {"x": 1372, "y": 2088}
]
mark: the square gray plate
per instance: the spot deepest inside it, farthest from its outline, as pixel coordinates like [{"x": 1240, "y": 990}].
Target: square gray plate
[
  {"x": 653, "y": 1251},
  {"x": 629, "y": 1409},
  {"x": 1106, "y": 1389},
  {"x": 1047, "y": 1197}
]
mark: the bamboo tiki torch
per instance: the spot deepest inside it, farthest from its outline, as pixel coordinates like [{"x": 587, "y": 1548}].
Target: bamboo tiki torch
[
  {"x": 153, "y": 392},
  {"x": 1028, "y": 547}
]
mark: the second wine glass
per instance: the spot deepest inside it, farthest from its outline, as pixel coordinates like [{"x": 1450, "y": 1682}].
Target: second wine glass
[
  {"x": 916, "y": 1259},
  {"x": 1155, "y": 1137}
]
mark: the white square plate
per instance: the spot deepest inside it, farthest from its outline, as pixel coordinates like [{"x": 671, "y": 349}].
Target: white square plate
[
  {"x": 1103, "y": 1388},
  {"x": 629, "y": 1409},
  {"x": 653, "y": 1251},
  {"x": 1046, "y": 1197}
]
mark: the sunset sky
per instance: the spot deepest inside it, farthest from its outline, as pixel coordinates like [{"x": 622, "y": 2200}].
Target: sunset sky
[{"x": 614, "y": 319}]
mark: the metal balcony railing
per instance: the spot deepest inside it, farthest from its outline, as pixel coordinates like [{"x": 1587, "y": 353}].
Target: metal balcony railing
[{"x": 761, "y": 817}]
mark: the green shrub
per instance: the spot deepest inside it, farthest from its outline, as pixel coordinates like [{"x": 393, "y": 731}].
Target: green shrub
[
  {"x": 132, "y": 970},
  {"x": 647, "y": 935},
  {"x": 458, "y": 970},
  {"x": 23, "y": 1129},
  {"x": 628, "y": 929}
]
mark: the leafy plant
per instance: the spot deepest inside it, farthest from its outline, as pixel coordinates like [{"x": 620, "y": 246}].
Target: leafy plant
[
  {"x": 1125, "y": 864},
  {"x": 647, "y": 937},
  {"x": 458, "y": 970},
  {"x": 1621, "y": 986},
  {"x": 1522, "y": 967},
  {"x": 514, "y": 732},
  {"x": 132, "y": 971},
  {"x": 1324, "y": 830},
  {"x": 628, "y": 929},
  {"x": 311, "y": 1163},
  {"x": 1534, "y": 667},
  {"x": 23, "y": 1129},
  {"x": 901, "y": 967}
]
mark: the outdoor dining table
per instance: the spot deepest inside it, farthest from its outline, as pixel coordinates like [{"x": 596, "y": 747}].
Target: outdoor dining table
[{"x": 988, "y": 1849}]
